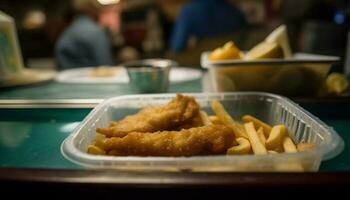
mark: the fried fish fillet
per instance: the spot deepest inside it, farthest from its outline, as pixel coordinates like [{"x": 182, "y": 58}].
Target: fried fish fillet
[
  {"x": 205, "y": 140},
  {"x": 195, "y": 122},
  {"x": 176, "y": 113}
]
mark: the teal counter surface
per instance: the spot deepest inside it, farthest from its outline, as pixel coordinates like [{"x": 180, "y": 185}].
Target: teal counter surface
[{"x": 31, "y": 138}]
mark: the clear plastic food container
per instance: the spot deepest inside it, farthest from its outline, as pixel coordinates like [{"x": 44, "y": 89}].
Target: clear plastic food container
[
  {"x": 300, "y": 75},
  {"x": 273, "y": 109}
]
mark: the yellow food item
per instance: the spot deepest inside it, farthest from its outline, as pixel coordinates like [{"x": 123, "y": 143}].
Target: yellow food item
[
  {"x": 272, "y": 152},
  {"x": 227, "y": 120},
  {"x": 205, "y": 140},
  {"x": 280, "y": 36},
  {"x": 257, "y": 146},
  {"x": 337, "y": 83},
  {"x": 227, "y": 52},
  {"x": 288, "y": 145},
  {"x": 276, "y": 45},
  {"x": 261, "y": 135},
  {"x": 103, "y": 72},
  {"x": 258, "y": 124},
  {"x": 92, "y": 149},
  {"x": 205, "y": 118},
  {"x": 265, "y": 50},
  {"x": 274, "y": 142},
  {"x": 305, "y": 146},
  {"x": 100, "y": 141},
  {"x": 215, "y": 120},
  {"x": 243, "y": 147}
]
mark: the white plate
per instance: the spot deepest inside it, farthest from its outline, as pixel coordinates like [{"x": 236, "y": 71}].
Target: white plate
[{"x": 82, "y": 75}]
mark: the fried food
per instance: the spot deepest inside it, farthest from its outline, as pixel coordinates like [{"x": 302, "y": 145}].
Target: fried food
[
  {"x": 195, "y": 122},
  {"x": 205, "y": 118},
  {"x": 92, "y": 149},
  {"x": 305, "y": 147},
  {"x": 264, "y": 50},
  {"x": 243, "y": 147},
  {"x": 288, "y": 145},
  {"x": 180, "y": 111},
  {"x": 206, "y": 140},
  {"x": 257, "y": 146},
  {"x": 227, "y": 120},
  {"x": 261, "y": 135},
  {"x": 257, "y": 124},
  {"x": 103, "y": 72},
  {"x": 228, "y": 51},
  {"x": 275, "y": 139},
  {"x": 215, "y": 120}
]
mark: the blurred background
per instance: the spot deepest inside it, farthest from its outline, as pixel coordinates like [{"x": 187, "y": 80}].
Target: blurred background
[{"x": 146, "y": 28}]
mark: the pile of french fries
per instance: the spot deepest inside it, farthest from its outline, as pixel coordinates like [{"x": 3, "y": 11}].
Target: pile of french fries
[{"x": 254, "y": 136}]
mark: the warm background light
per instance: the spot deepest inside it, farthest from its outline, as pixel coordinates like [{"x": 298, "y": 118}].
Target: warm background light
[{"x": 108, "y": 2}]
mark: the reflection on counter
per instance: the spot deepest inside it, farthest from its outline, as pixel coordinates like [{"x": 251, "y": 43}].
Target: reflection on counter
[
  {"x": 69, "y": 127},
  {"x": 12, "y": 134}
]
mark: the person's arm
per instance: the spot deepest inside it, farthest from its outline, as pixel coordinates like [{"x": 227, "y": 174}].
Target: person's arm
[{"x": 181, "y": 32}]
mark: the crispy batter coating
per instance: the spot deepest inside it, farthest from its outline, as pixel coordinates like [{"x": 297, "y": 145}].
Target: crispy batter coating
[
  {"x": 195, "y": 122},
  {"x": 176, "y": 113},
  {"x": 206, "y": 140}
]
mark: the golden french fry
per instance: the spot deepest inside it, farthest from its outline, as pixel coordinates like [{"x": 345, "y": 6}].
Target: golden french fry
[
  {"x": 261, "y": 135},
  {"x": 272, "y": 152},
  {"x": 100, "y": 141},
  {"x": 215, "y": 120},
  {"x": 99, "y": 136},
  {"x": 305, "y": 146},
  {"x": 288, "y": 145},
  {"x": 205, "y": 119},
  {"x": 257, "y": 146},
  {"x": 220, "y": 111},
  {"x": 243, "y": 147},
  {"x": 274, "y": 141},
  {"x": 258, "y": 123},
  {"x": 92, "y": 149}
]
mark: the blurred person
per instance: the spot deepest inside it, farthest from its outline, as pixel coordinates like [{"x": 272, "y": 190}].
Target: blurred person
[
  {"x": 85, "y": 43},
  {"x": 204, "y": 19}
]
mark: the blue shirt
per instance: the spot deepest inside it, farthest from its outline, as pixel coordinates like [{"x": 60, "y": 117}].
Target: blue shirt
[
  {"x": 83, "y": 44},
  {"x": 205, "y": 18}
]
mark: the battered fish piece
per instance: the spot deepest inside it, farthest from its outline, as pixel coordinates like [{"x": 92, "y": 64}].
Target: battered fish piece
[
  {"x": 177, "y": 112},
  {"x": 205, "y": 140},
  {"x": 195, "y": 122}
]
